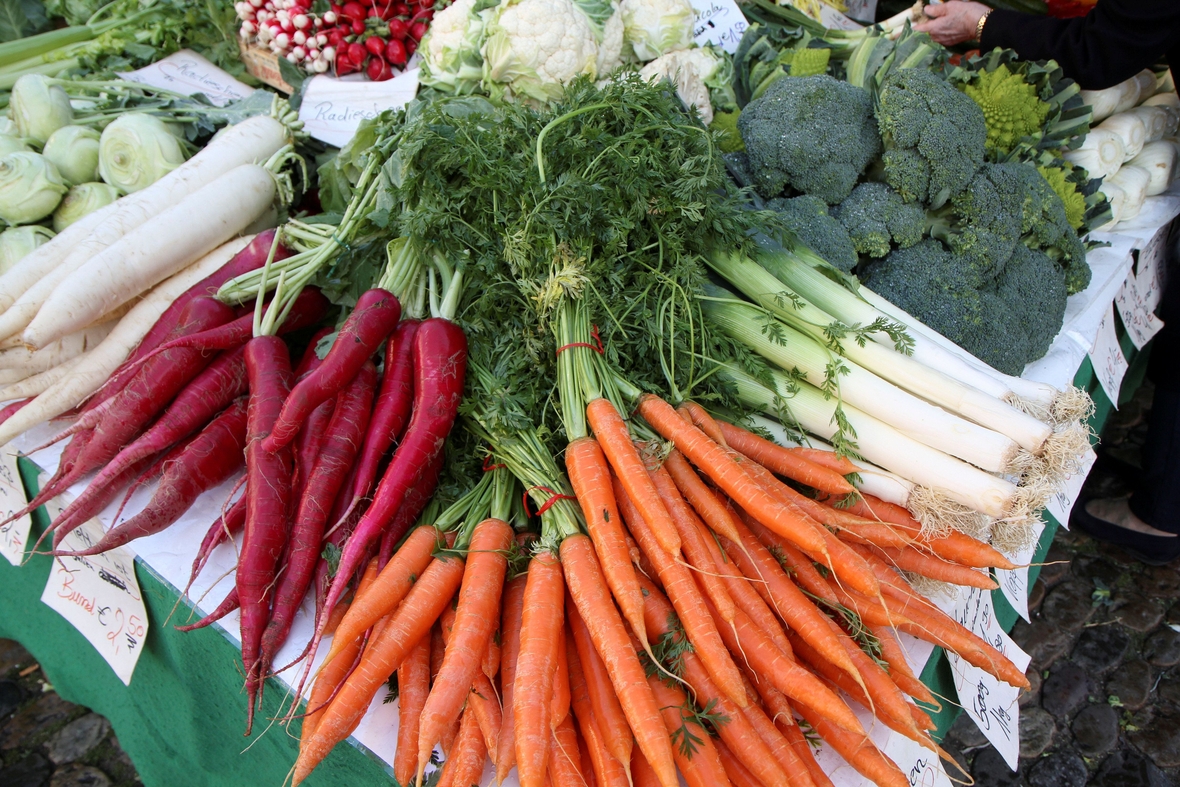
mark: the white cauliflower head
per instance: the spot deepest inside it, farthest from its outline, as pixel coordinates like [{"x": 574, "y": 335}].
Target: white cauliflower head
[
  {"x": 654, "y": 27},
  {"x": 451, "y": 49},
  {"x": 688, "y": 72},
  {"x": 610, "y": 45},
  {"x": 533, "y": 47}
]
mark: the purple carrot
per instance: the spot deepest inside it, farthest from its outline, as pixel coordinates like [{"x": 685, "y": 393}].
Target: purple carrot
[
  {"x": 311, "y": 436},
  {"x": 440, "y": 364},
  {"x": 224, "y": 608},
  {"x": 225, "y": 527},
  {"x": 11, "y": 409},
  {"x": 411, "y": 508},
  {"x": 211, "y": 458},
  {"x": 390, "y": 412},
  {"x": 342, "y": 439},
  {"x": 212, "y": 391},
  {"x": 309, "y": 308},
  {"x": 250, "y": 258},
  {"x": 268, "y": 492},
  {"x": 375, "y": 316}
]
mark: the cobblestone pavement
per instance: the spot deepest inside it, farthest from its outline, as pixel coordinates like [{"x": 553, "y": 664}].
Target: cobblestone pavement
[
  {"x": 1105, "y": 644},
  {"x": 48, "y": 742}
]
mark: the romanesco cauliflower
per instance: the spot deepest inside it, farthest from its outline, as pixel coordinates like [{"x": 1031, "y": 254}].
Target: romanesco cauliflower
[
  {"x": 1010, "y": 105},
  {"x": 1071, "y": 198}
]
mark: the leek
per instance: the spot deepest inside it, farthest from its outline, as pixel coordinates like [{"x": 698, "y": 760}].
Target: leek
[
  {"x": 1134, "y": 181},
  {"x": 1158, "y": 159},
  {"x": 1130, "y": 129}
]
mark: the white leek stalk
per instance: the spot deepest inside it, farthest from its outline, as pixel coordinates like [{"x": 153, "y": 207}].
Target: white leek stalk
[
  {"x": 1133, "y": 181},
  {"x": 1155, "y": 122},
  {"x": 1146, "y": 84},
  {"x": 1130, "y": 129},
  {"x": 1106, "y": 102},
  {"x": 1101, "y": 153},
  {"x": 879, "y": 443},
  {"x": 1170, "y": 103},
  {"x": 1159, "y": 159}
]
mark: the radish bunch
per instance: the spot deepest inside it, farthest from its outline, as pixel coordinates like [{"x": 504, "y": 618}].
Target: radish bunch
[{"x": 373, "y": 37}]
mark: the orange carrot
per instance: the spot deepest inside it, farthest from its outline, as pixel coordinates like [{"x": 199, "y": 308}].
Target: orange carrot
[
  {"x": 829, "y": 459},
  {"x": 482, "y": 701},
  {"x": 799, "y": 612},
  {"x": 695, "y": 754},
  {"x": 738, "y": 735},
  {"x": 689, "y": 603},
  {"x": 490, "y": 664},
  {"x": 590, "y": 478},
  {"x": 541, "y": 620},
  {"x": 899, "y": 668},
  {"x": 692, "y": 543},
  {"x": 592, "y": 599},
  {"x": 608, "y": 771},
  {"x": 413, "y": 686},
  {"x": 475, "y": 618},
  {"x": 963, "y": 549},
  {"x": 641, "y": 771},
  {"x": 608, "y": 712},
  {"x": 798, "y": 741},
  {"x": 727, "y": 474},
  {"x": 705, "y": 422},
  {"x": 858, "y": 750},
  {"x": 785, "y": 462},
  {"x": 739, "y": 775},
  {"x": 718, "y": 517},
  {"x": 935, "y": 568},
  {"x": 385, "y": 653},
  {"x": 513, "y": 599},
  {"x": 465, "y": 761},
  {"x": 390, "y": 587},
  {"x": 784, "y": 754},
  {"x": 565, "y": 761},
  {"x": 615, "y": 440},
  {"x": 559, "y": 706}
]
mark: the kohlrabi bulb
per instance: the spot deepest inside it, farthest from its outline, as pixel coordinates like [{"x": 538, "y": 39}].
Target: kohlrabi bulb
[
  {"x": 74, "y": 151},
  {"x": 136, "y": 150},
  {"x": 30, "y": 187},
  {"x": 80, "y": 200},
  {"x": 38, "y": 107},
  {"x": 16, "y": 242}
]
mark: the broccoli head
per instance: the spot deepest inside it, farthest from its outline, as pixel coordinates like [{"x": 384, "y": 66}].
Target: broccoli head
[
  {"x": 934, "y": 136},
  {"x": 876, "y": 217},
  {"x": 1032, "y": 286},
  {"x": 1046, "y": 226},
  {"x": 813, "y": 134},
  {"x": 808, "y": 218},
  {"x": 930, "y": 282},
  {"x": 1010, "y": 105},
  {"x": 982, "y": 223}
]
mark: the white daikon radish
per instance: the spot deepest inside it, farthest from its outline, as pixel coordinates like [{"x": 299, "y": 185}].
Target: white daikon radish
[
  {"x": 57, "y": 353},
  {"x": 1101, "y": 153},
  {"x": 155, "y": 250},
  {"x": 1155, "y": 122},
  {"x": 1130, "y": 129},
  {"x": 1159, "y": 159},
  {"x": 1133, "y": 181},
  {"x": 38, "y": 383},
  {"x": 1117, "y": 199},
  {"x": 97, "y": 365}
]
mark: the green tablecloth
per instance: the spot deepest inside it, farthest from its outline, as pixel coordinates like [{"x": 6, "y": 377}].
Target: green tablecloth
[{"x": 182, "y": 717}]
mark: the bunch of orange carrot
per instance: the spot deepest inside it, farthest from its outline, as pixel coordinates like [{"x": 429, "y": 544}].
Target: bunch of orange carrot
[{"x": 693, "y": 612}]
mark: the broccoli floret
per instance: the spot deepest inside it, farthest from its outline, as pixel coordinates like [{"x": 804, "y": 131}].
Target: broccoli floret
[
  {"x": 982, "y": 223},
  {"x": 1033, "y": 287},
  {"x": 814, "y": 134},
  {"x": 809, "y": 219},
  {"x": 1010, "y": 105},
  {"x": 931, "y": 283},
  {"x": 934, "y": 136},
  {"x": 876, "y": 217},
  {"x": 725, "y": 123},
  {"x": 1045, "y": 226}
]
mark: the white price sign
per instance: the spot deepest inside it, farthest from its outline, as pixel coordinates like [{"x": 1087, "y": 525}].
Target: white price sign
[
  {"x": 99, "y": 596},
  {"x": 14, "y": 535},
  {"x": 1061, "y": 502},
  {"x": 1138, "y": 319},
  {"x": 920, "y": 766},
  {"x": 991, "y": 703},
  {"x": 1150, "y": 269},
  {"x": 1107, "y": 357},
  {"x": 188, "y": 73},
  {"x": 1014, "y": 583},
  {"x": 719, "y": 22},
  {"x": 332, "y": 109}
]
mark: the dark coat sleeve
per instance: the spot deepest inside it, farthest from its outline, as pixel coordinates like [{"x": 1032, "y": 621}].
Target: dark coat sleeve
[{"x": 1115, "y": 41}]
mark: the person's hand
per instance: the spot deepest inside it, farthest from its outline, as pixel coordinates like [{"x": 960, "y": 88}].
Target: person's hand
[{"x": 952, "y": 22}]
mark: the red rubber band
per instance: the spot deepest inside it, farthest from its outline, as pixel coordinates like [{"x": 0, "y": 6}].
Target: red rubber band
[
  {"x": 596, "y": 347},
  {"x": 555, "y": 496},
  {"x": 487, "y": 468}
]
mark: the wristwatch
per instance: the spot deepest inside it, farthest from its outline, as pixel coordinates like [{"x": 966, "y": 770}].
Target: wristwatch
[{"x": 980, "y": 23}]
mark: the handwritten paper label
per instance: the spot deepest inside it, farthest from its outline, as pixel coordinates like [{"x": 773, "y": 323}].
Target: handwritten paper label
[
  {"x": 188, "y": 73},
  {"x": 1150, "y": 267},
  {"x": 100, "y": 597},
  {"x": 1137, "y": 318},
  {"x": 14, "y": 536},
  {"x": 920, "y": 766},
  {"x": 991, "y": 703},
  {"x": 1061, "y": 502},
  {"x": 832, "y": 18},
  {"x": 865, "y": 10},
  {"x": 1107, "y": 357},
  {"x": 1014, "y": 583},
  {"x": 332, "y": 109},
  {"x": 719, "y": 22}
]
